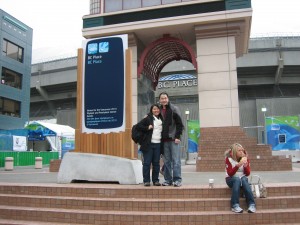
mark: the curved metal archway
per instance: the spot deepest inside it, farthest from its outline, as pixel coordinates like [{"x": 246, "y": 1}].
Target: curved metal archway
[{"x": 162, "y": 51}]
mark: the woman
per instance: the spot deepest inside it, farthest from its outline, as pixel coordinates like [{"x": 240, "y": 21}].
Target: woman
[
  {"x": 237, "y": 170},
  {"x": 151, "y": 125}
]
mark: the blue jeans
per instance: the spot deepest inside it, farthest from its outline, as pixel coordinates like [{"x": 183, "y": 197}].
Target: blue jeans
[
  {"x": 151, "y": 156},
  {"x": 172, "y": 162},
  {"x": 236, "y": 183}
]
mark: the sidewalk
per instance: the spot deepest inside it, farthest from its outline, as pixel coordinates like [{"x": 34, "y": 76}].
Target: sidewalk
[{"x": 28, "y": 174}]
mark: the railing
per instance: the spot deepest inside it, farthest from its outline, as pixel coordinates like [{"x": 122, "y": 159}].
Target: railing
[
  {"x": 256, "y": 132},
  {"x": 275, "y": 35}
]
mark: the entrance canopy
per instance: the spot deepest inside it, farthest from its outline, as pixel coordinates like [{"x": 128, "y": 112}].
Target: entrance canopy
[
  {"x": 161, "y": 52},
  {"x": 37, "y": 131}
]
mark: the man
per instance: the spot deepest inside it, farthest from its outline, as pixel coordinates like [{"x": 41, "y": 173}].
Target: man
[{"x": 172, "y": 130}]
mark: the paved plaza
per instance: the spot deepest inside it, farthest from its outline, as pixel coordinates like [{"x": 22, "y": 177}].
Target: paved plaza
[{"x": 29, "y": 174}]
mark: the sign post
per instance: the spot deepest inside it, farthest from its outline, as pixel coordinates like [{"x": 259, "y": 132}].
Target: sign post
[{"x": 103, "y": 135}]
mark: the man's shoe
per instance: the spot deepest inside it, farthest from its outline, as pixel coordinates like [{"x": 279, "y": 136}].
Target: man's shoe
[
  {"x": 177, "y": 184},
  {"x": 252, "y": 209},
  {"x": 237, "y": 209},
  {"x": 166, "y": 184},
  {"x": 147, "y": 184},
  {"x": 156, "y": 183}
]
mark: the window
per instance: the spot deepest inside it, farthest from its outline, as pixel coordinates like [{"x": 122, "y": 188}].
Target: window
[
  {"x": 164, "y": 2},
  {"x": 132, "y": 4},
  {"x": 95, "y": 6},
  {"x": 10, "y": 107},
  {"x": 11, "y": 78},
  {"x": 147, "y": 3},
  {"x": 113, "y": 6},
  {"x": 13, "y": 51}
]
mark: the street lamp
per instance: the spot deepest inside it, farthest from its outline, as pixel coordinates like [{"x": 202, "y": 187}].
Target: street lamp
[
  {"x": 187, "y": 115},
  {"x": 264, "y": 110}
]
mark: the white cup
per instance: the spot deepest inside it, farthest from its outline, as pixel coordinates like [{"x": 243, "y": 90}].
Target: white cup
[{"x": 211, "y": 183}]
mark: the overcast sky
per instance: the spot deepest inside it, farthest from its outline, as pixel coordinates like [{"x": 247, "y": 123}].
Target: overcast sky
[{"x": 57, "y": 24}]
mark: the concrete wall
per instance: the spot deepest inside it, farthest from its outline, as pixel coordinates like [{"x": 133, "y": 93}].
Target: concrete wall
[{"x": 217, "y": 82}]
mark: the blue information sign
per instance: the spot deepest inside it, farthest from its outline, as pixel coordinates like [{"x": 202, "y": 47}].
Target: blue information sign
[{"x": 104, "y": 84}]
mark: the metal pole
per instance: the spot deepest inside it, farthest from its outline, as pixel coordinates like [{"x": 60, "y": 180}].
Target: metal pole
[
  {"x": 187, "y": 113},
  {"x": 265, "y": 133},
  {"x": 264, "y": 109}
]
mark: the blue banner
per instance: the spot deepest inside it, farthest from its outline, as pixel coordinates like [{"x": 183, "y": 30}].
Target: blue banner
[
  {"x": 37, "y": 132},
  {"x": 67, "y": 144},
  {"x": 283, "y": 132},
  {"x": 193, "y": 135}
]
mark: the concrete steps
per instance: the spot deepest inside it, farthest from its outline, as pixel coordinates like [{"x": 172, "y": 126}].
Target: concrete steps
[
  {"x": 142, "y": 204},
  {"x": 265, "y": 163},
  {"x": 215, "y": 140},
  {"x": 25, "y": 222},
  {"x": 126, "y": 204},
  {"x": 285, "y": 216}
]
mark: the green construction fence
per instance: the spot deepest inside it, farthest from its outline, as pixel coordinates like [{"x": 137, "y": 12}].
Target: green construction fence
[{"x": 27, "y": 158}]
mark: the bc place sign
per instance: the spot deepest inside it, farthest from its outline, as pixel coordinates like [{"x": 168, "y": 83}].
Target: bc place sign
[
  {"x": 103, "y": 106},
  {"x": 177, "y": 81}
]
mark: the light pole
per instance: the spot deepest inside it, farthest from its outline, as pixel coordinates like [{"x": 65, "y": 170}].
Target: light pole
[
  {"x": 187, "y": 114},
  {"x": 264, "y": 110}
]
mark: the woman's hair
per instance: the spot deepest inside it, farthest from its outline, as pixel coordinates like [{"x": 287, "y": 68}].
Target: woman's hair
[
  {"x": 152, "y": 106},
  {"x": 234, "y": 148}
]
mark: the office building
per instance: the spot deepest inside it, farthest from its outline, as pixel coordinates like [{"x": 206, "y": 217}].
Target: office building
[{"x": 15, "y": 67}]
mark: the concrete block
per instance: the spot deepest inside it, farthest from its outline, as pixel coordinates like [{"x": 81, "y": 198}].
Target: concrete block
[
  {"x": 38, "y": 162},
  {"x": 97, "y": 167},
  {"x": 192, "y": 158},
  {"x": 9, "y": 163}
]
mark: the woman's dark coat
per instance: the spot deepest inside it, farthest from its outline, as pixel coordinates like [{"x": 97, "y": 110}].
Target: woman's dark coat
[{"x": 143, "y": 126}]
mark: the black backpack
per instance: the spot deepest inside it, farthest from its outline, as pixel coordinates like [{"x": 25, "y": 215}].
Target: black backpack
[{"x": 136, "y": 135}]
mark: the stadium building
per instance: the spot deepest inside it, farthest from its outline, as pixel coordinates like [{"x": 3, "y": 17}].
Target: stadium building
[
  {"x": 268, "y": 77},
  {"x": 197, "y": 51}
]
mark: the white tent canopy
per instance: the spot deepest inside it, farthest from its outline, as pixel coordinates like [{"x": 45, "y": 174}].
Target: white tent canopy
[
  {"x": 60, "y": 130},
  {"x": 53, "y": 139}
]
